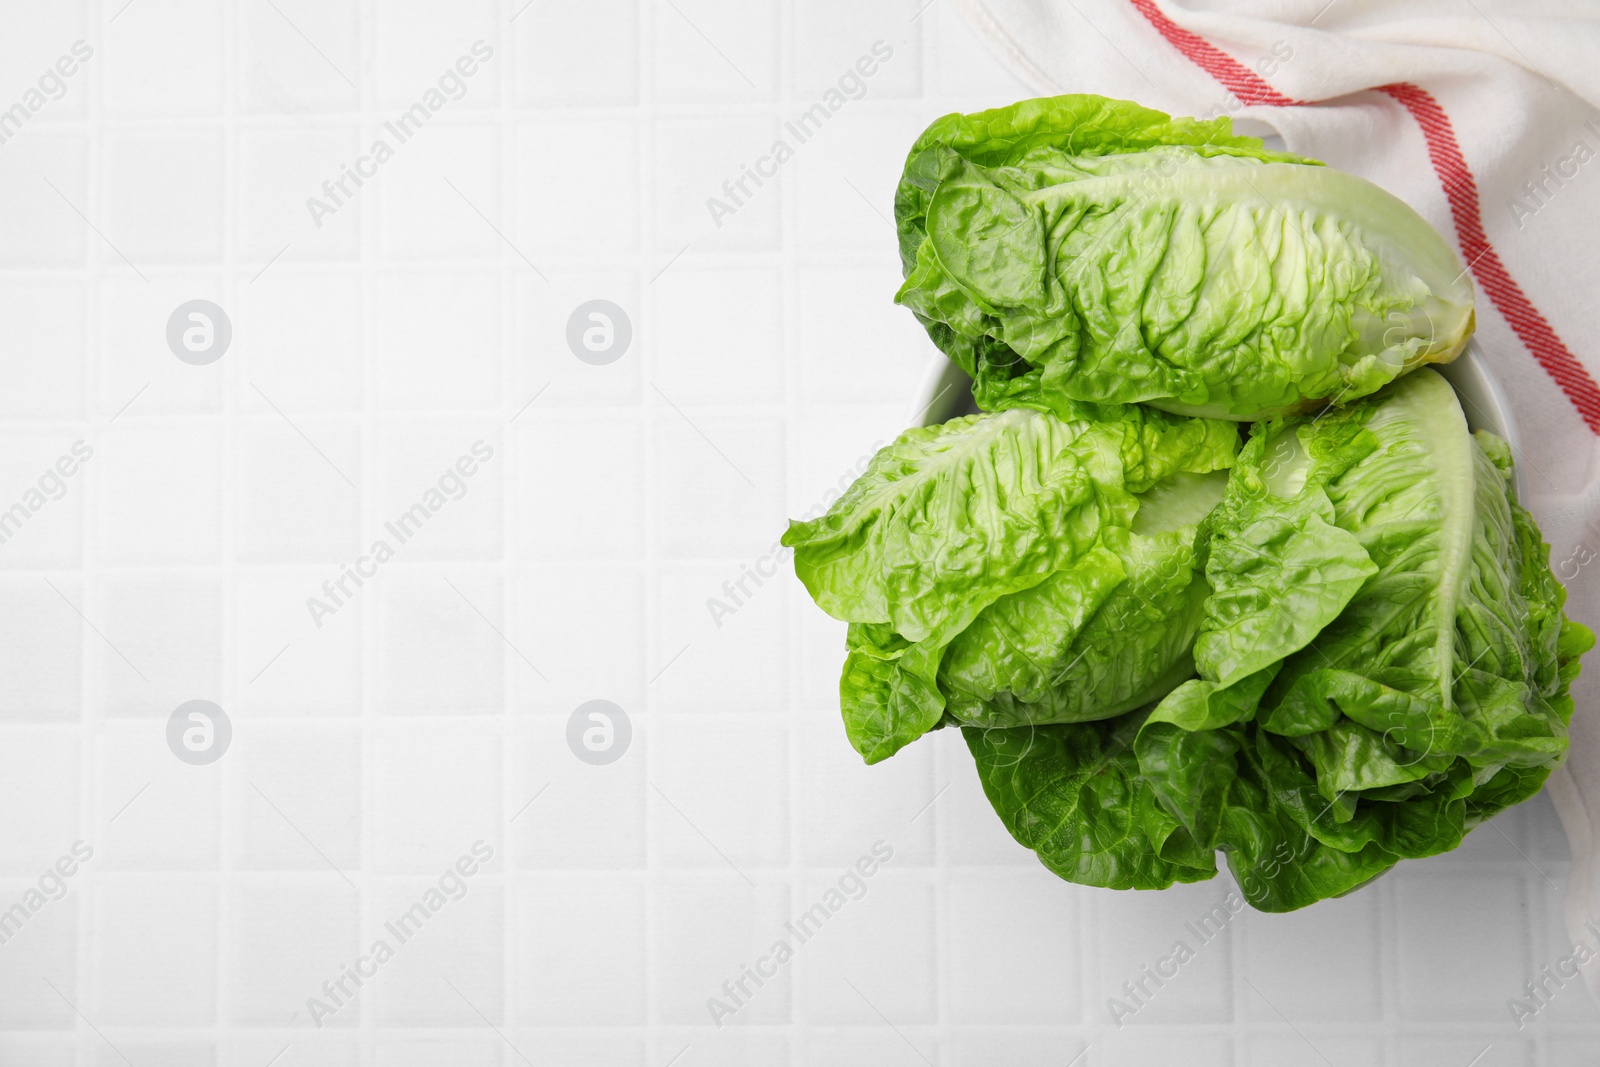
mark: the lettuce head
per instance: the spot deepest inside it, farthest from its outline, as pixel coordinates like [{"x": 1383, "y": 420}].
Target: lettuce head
[
  {"x": 1117, "y": 254},
  {"x": 1025, "y": 565}
]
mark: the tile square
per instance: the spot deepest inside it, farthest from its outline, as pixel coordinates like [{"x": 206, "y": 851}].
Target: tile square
[
  {"x": 163, "y": 627},
  {"x": 570, "y": 814},
  {"x": 296, "y": 805},
  {"x": 1317, "y": 964},
  {"x": 440, "y": 335},
  {"x": 438, "y": 649},
  {"x": 134, "y": 373},
  {"x": 710, "y": 50},
  {"x": 462, "y": 940},
  {"x": 1446, "y": 977},
  {"x": 706, "y": 928},
  {"x": 295, "y": 935},
  {"x": 46, "y": 231},
  {"x": 577, "y": 55},
  {"x": 880, "y": 938},
  {"x": 839, "y": 445},
  {"x": 168, "y": 815},
  {"x": 39, "y": 777},
  {"x": 294, "y": 659},
  {"x": 581, "y": 951},
  {"x": 591, "y": 1047},
  {"x": 160, "y": 493},
  {"x": 699, "y": 162},
  {"x": 590, "y": 209},
  {"x": 43, "y": 486},
  {"x": 418, "y": 43},
  {"x": 725, "y": 496},
  {"x": 294, "y": 504},
  {"x": 39, "y": 951},
  {"x": 281, "y": 171},
  {"x": 583, "y": 626},
  {"x": 846, "y": 176},
  {"x": 732, "y": 357},
  {"x": 728, "y": 634},
  {"x": 722, "y": 789},
  {"x": 1009, "y": 923},
  {"x": 545, "y": 368},
  {"x": 49, "y": 39},
  {"x": 887, "y": 351},
  {"x": 43, "y": 373},
  {"x": 301, "y": 59},
  {"x": 421, "y": 216},
  {"x": 587, "y": 505},
  {"x": 41, "y": 680},
  {"x": 437, "y": 790},
  {"x": 441, "y": 495},
  {"x": 154, "y": 952},
  {"x": 849, "y": 805},
  {"x": 166, "y": 61},
  {"x": 300, "y": 336},
  {"x": 1131, "y": 931},
  {"x": 833, "y": 36},
  {"x": 155, "y": 212}
]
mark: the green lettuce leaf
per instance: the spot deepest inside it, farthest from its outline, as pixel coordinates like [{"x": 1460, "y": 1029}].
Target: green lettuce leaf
[
  {"x": 1428, "y": 687},
  {"x": 1073, "y": 794},
  {"x": 1093, "y": 641},
  {"x": 1034, "y": 565},
  {"x": 948, "y": 519},
  {"x": 1130, "y": 257}
]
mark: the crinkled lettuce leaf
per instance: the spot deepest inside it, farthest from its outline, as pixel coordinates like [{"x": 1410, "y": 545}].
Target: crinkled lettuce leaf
[
  {"x": 1128, "y": 256},
  {"x": 1073, "y": 793},
  {"x": 1428, "y": 687},
  {"x": 1033, "y": 565},
  {"x": 1093, "y": 641},
  {"x": 947, "y": 519}
]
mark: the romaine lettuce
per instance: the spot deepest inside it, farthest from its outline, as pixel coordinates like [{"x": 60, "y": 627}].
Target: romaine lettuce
[
  {"x": 1022, "y": 566},
  {"x": 1426, "y": 685},
  {"x": 1332, "y": 649},
  {"x": 1127, "y": 256}
]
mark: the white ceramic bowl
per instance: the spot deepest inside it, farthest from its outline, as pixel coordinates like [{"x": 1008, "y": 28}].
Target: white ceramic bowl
[{"x": 946, "y": 393}]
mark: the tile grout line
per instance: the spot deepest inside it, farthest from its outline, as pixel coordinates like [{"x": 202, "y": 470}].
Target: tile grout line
[
  {"x": 368, "y": 220},
  {"x": 89, "y": 903},
  {"x": 789, "y": 310},
  {"x": 648, "y": 738},
  {"x": 513, "y": 682},
  {"x": 230, "y": 374}
]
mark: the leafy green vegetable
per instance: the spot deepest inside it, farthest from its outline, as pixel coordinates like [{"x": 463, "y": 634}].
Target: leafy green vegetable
[
  {"x": 992, "y": 572},
  {"x": 1127, "y": 256},
  {"x": 1336, "y": 648},
  {"x": 1073, "y": 794},
  {"x": 1426, "y": 688}
]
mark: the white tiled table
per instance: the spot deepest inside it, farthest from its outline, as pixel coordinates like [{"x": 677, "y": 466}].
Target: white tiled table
[{"x": 426, "y": 314}]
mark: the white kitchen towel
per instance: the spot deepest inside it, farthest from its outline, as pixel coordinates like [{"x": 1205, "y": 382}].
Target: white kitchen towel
[{"x": 1483, "y": 116}]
